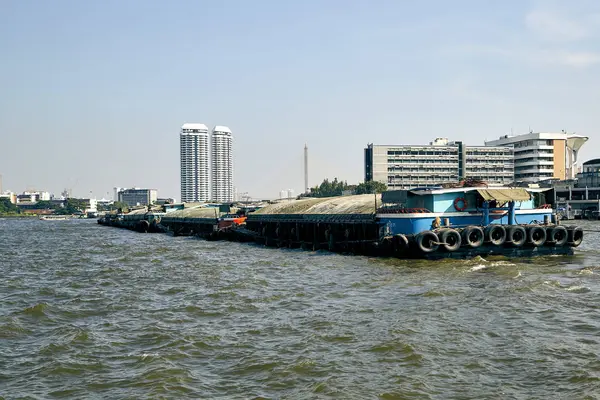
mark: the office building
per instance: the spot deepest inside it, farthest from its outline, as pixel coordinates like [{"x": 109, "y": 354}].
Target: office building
[
  {"x": 440, "y": 162},
  {"x": 194, "y": 155},
  {"x": 222, "y": 164},
  {"x": 138, "y": 197},
  {"x": 542, "y": 156},
  {"x": 494, "y": 165}
]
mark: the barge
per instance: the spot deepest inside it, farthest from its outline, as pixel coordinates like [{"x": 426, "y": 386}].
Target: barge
[
  {"x": 419, "y": 223},
  {"x": 140, "y": 220}
]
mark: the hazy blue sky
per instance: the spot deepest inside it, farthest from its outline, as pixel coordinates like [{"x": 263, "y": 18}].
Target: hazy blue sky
[{"x": 93, "y": 93}]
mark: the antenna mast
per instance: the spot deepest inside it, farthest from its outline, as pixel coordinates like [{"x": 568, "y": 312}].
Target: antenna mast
[{"x": 305, "y": 168}]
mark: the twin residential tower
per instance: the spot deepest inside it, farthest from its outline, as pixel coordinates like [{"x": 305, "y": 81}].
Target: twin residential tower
[{"x": 206, "y": 175}]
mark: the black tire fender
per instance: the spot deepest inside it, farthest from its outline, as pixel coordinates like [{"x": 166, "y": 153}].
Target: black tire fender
[
  {"x": 472, "y": 236},
  {"x": 450, "y": 239},
  {"x": 400, "y": 243},
  {"x": 557, "y": 236},
  {"x": 536, "y": 235},
  {"x": 427, "y": 242},
  {"x": 575, "y": 236},
  {"x": 516, "y": 235},
  {"x": 495, "y": 234}
]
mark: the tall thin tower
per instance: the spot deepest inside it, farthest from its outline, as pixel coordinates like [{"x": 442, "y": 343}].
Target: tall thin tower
[
  {"x": 306, "y": 190},
  {"x": 222, "y": 164},
  {"x": 195, "y": 177}
]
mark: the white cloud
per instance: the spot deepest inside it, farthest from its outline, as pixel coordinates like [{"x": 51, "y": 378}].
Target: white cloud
[
  {"x": 552, "y": 26},
  {"x": 581, "y": 59},
  {"x": 562, "y": 22},
  {"x": 523, "y": 53},
  {"x": 566, "y": 36}
]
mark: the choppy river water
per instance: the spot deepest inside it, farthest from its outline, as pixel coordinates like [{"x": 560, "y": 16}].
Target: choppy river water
[{"x": 97, "y": 312}]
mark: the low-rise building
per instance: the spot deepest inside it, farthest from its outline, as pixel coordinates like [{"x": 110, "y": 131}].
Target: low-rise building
[
  {"x": 579, "y": 197},
  {"x": 440, "y": 162},
  {"x": 138, "y": 197},
  {"x": 91, "y": 206},
  {"x": 167, "y": 200},
  {"x": 12, "y": 197}
]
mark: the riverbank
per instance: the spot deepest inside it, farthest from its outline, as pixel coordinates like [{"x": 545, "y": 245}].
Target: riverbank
[{"x": 18, "y": 216}]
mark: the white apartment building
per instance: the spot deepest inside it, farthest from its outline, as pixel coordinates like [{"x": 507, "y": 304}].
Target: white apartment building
[
  {"x": 222, "y": 164},
  {"x": 440, "y": 162},
  {"x": 194, "y": 154},
  {"x": 543, "y": 155}
]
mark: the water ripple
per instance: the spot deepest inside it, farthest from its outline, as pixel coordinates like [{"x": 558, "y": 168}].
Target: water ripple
[{"x": 90, "y": 312}]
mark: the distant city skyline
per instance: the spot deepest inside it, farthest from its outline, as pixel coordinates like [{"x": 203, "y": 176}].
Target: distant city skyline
[{"x": 94, "y": 92}]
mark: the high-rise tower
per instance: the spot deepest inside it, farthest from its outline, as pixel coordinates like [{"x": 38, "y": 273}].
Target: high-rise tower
[
  {"x": 194, "y": 154},
  {"x": 222, "y": 164}
]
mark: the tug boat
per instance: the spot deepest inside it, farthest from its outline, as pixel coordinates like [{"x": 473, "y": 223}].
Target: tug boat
[{"x": 469, "y": 221}]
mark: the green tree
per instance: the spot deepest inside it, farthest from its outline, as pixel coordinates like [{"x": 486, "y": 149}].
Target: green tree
[
  {"x": 73, "y": 206},
  {"x": 337, "y": 188},
  {"x": 46, "y": 205},
  {"x": 370, "y": 187},
  {"x": 6, "y": 207},
  {"x": 119, "y": 204},
  {"x": 329, "y": 188}
]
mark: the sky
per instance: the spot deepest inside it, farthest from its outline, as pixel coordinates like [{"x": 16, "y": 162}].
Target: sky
[{"x": 93, "y": 94}]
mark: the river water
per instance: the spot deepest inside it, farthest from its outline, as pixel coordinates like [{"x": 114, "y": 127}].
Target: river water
[{"x": 96, "y": 312}]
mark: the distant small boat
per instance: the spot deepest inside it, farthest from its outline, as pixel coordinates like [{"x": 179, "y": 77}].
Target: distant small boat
[{"x": 55, "y": 217}]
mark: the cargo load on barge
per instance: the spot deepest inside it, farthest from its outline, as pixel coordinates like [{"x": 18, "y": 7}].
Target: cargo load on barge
[{"x": 208, "y": 221}]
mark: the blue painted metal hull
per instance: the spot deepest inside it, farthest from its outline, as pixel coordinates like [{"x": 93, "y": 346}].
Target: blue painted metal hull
[{"x": 411, "y": 224}]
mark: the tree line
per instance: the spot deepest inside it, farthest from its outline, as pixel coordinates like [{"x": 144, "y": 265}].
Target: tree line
[
  {"x": 335, "y": 187},
  {"x": 6, "y": 207}
]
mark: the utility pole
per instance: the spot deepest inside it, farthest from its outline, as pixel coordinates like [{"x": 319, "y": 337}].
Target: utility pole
[
  {"x": 375, "y": 197},
  {"x": 305, "y": 168}
]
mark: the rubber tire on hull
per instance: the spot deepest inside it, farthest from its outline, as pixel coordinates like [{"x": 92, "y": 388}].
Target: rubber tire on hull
[
  {"x": 495, "y": 234},
  {"x": 472, "y": 236},
  {"x": 143, "y": 226},
  {"x": 399, "y": 244},
  {"x": 575, "y": 236},
  {"x": 557, "y": 236},
  {"x": 516, "y": 235},
  {"x": 426, "y": 242},
  {"x": 450, "y": 239},
  {"x": 536, "y": 235},
  {"x": 386, "y": 245}
]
